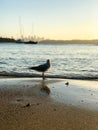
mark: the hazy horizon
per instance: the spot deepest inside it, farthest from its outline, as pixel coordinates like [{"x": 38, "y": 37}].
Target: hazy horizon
[{"x": 51, "y": 19}]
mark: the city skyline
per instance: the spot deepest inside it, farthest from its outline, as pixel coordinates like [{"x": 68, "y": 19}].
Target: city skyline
[{"x": 51, "y": 19}]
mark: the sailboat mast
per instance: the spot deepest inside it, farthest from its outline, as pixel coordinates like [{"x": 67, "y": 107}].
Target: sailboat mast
[
  {"x": 20, "y": 28},
  {"x": 32, "y": 31}
]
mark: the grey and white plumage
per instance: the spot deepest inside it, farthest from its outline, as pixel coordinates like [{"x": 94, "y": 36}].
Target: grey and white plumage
[{"x": 42, "y": 68}]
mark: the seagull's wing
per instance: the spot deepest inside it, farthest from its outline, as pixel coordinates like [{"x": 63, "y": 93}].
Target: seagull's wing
[{"x": 41, "y": 68}]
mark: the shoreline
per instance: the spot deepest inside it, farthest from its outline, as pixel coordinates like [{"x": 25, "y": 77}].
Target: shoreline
[
  {"x": 78, "y": 93},
  {"x": 25, "y": 105},
  {"x": 34, "y": 75}
]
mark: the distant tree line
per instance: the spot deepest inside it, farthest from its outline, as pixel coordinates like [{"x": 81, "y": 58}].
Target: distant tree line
[
  {"x": 7, "y": 39},
  {"x": 70, "y": 41}
]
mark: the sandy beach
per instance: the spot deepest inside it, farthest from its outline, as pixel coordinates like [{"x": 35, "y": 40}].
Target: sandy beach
[{"x": 30, "y": 104}]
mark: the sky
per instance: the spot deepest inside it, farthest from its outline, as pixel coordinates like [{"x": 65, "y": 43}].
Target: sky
[{"x": 51, "y": 19}]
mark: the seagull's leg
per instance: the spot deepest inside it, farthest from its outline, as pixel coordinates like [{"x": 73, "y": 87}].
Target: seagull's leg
[{"x": 43, "y": 76}]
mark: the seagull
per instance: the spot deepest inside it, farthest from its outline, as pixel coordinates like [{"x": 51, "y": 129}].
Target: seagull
[{"x": 42, "y": 68}]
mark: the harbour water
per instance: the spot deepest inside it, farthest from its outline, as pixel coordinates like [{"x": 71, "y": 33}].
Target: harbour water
[{"x": 69, "y": 60}]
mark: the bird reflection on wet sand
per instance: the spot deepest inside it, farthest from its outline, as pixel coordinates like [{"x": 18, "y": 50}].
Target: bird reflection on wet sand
[{"x": 45, "y": 88}]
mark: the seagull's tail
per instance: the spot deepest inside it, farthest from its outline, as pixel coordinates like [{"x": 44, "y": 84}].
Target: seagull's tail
[{"x": 32, "y": 68}]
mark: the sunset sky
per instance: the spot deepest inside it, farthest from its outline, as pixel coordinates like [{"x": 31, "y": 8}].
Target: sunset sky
[{"x": 53, "y": 19}]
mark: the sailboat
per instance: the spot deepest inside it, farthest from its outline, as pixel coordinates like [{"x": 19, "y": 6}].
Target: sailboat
[
  {"x": 30, "y": 42},
  {"x": 26, "y": 42},
  {"x": 21, "y": 40}
]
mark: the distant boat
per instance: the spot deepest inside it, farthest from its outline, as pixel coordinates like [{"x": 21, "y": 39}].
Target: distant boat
[
  {"x": 19, "y": 41},
  {"x": 26, "y": 42},
  {"x": 30, "y": 42}
]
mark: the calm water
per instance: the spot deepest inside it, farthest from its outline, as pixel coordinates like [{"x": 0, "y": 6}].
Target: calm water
[{"x": 70, "y": 60}]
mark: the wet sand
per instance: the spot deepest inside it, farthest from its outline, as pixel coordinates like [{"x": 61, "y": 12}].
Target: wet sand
[{"x": 25, "y": 105}]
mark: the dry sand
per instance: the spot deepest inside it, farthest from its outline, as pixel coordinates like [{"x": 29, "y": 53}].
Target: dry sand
[{"x": 25, "y": 106}]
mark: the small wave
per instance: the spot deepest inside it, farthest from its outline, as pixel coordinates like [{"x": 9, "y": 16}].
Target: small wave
[
  {"x": 90, "y": 71},
  {"x": 28, "y": 75},
  {"x": 3, "y": 63},
  {"x": 84, "y": 70}
]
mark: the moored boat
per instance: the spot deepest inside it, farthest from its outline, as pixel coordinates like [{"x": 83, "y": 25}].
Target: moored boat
[{"x": 30, "y": 42}]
